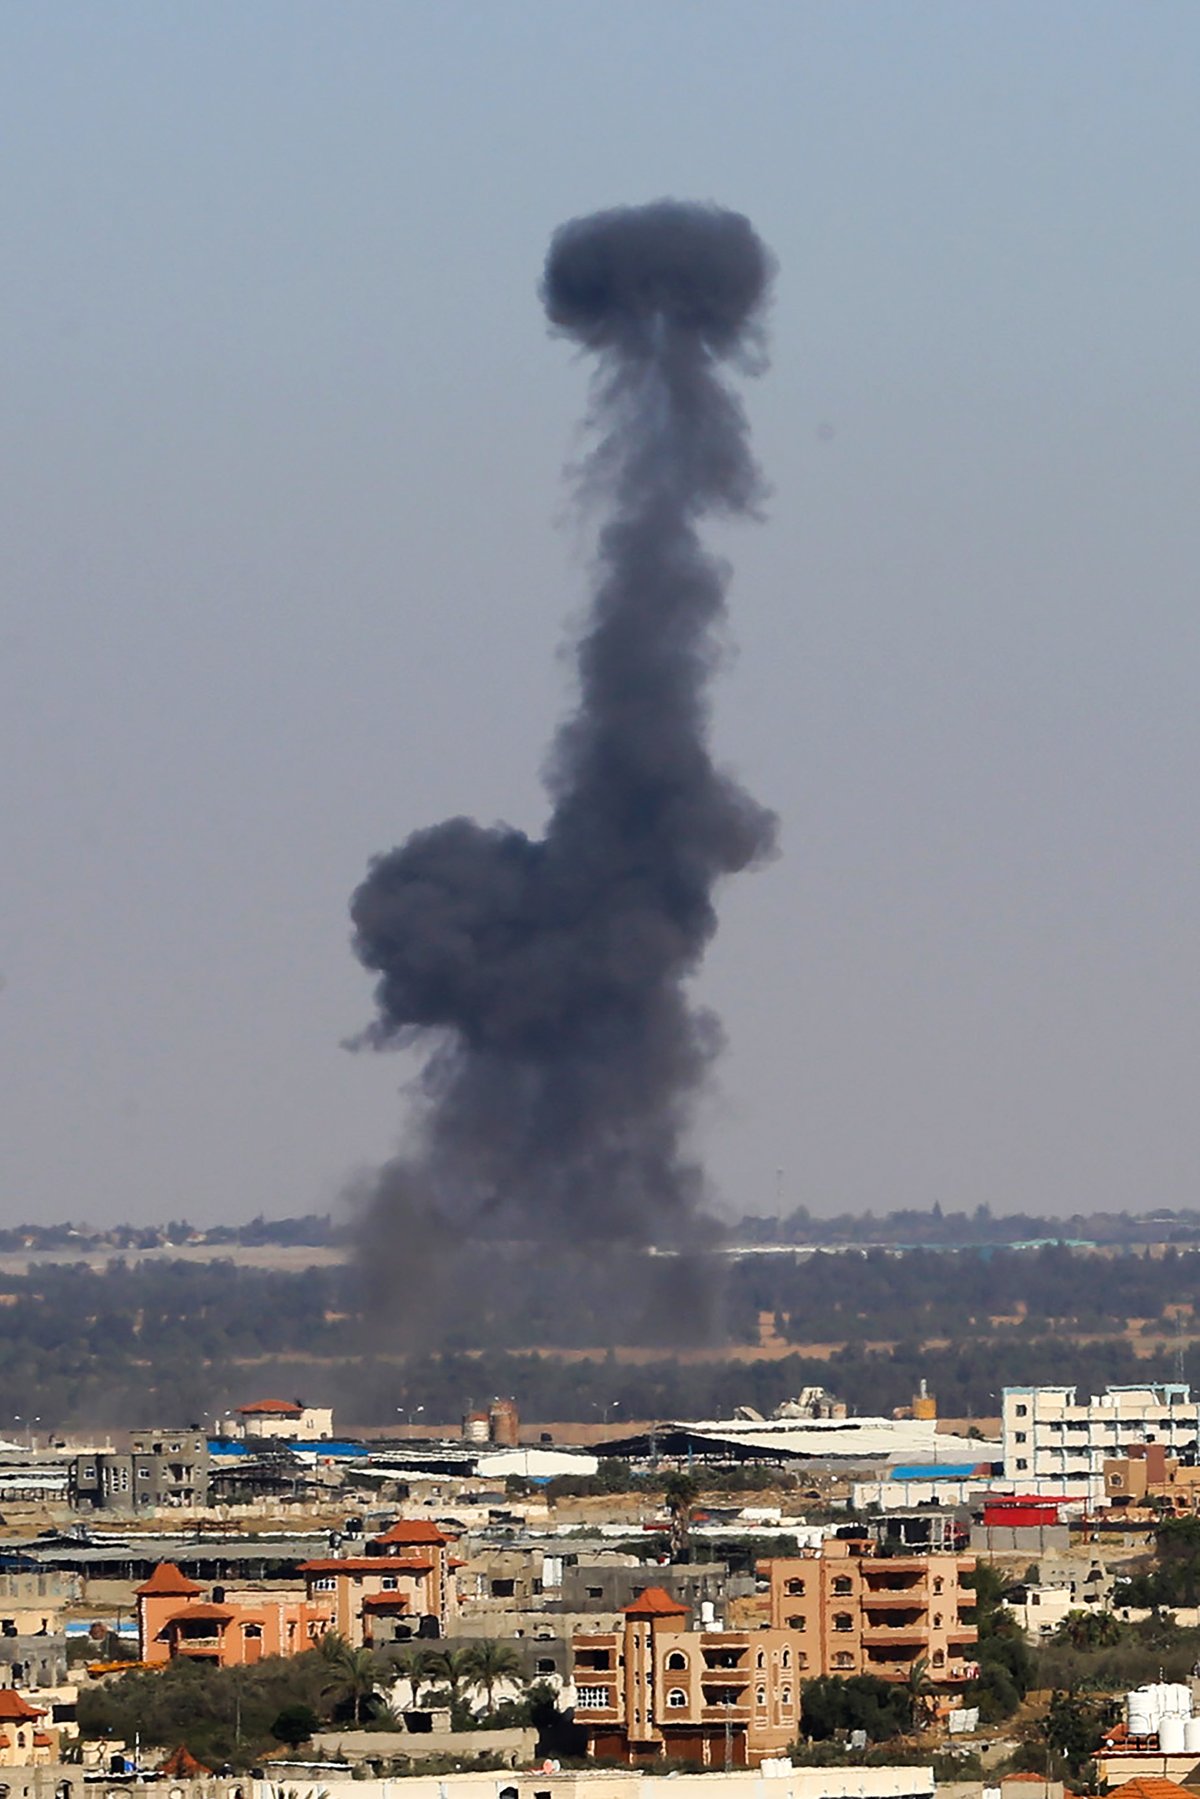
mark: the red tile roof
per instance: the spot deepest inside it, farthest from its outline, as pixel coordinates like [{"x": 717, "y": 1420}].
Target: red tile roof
[
  {"x": 182, "y": 1764},
  {"x": 385, "y": 1602},
  {"x": 412, "y": 1530},
  {"x": 1149, "y": 1786},
  {"x": 655, "y": 1603},
  {"x": 281, "y": 1408},
  {"x": 16, "y": 1709},
  {"x": 215, "y": 1614},
  {"x": 168, "y": 1582}
]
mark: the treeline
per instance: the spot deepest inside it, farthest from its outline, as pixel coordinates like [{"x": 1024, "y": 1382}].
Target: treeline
[{"x": 912, "y": 1228}]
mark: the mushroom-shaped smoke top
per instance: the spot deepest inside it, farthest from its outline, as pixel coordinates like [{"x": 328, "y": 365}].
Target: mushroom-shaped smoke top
[
  {"x": 698, "y": 268},
  {"x": 547, "y": 976}
]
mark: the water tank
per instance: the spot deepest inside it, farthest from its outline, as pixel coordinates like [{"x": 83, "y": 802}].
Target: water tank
[
  {"x": 1172, "y": 1735},
  {"x": 1141, "y": 1713},
  {"x": 1180, "y": 1700},
  {"x": 1191, "y": 1736}
]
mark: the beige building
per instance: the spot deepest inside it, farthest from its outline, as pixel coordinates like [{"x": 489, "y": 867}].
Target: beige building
[
  {"x": 852, "y": 1611},
  {"x": 656, "y": 1688}
]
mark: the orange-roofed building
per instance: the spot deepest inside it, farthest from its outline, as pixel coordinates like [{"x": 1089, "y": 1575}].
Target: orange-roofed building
[
  {"x": 24, "y": 1740},
  {"x": 289, "y": 1420},
  {"x": 1150, "y": 1786},
  {"x": 403, "y": 1586},
  {"x": 227, "y": 1630},
  {"x": 656, "y": 1689}
]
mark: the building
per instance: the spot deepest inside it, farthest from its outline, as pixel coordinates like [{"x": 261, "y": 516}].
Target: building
[
  {"x": 405, "y": 1585},
  {"x": 228, "y": 1629},
  {"x": 852, "y": 1611},
  {"x": 160, "y": 1468},
  {"x": 288, "y": 1419},
  {"x": 1148, "y": 1476},
  {"x": 656, "y": 1689},
  {"x": 1053, "y": 1438},
  {"x": 26, "y": 1738}
]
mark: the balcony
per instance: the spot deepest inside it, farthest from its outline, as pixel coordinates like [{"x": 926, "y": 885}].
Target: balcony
[
  {"x": 723, "y": 1677},
  {"x": 198, "y": 1646},
  {"x": 895, "y": 1602},
  {"x": 896, "y": 1636}
]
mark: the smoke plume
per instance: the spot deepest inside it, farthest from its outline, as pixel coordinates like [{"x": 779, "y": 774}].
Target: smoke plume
[{"x": 547, "y": 977}]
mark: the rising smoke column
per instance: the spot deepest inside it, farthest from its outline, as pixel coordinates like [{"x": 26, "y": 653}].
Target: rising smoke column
[{"x": 547, "y": 977}]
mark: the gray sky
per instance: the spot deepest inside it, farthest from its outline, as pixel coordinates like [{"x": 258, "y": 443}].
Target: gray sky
[{"x": 289, "y": 566}]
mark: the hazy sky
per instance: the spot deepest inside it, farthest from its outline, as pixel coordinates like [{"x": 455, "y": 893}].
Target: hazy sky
[{"x": 289, "y": 565}]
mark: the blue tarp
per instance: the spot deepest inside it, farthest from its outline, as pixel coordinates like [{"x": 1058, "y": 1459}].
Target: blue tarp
[{"x": 937, "y": 1470}]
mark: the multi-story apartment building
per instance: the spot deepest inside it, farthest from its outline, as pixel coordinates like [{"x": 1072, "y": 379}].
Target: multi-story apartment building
[
  {"x": 229, "y": 1628},
  {"x": 656, "y": 1688},
  {"x": 1054, "y": 1441},
  {"x": 404, "y": 1586},
  {"x": 160, "y": 1468},
  {"x": 852, "y": 1611}
]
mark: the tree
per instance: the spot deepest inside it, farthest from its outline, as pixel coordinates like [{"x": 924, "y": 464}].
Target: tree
[
  {"x": 450, "y": 1665},
  {"x": 355, "y": 1671},
  {"x": 489, "y": 1661},
  {"x": 830, "y": 1704},
  {"x": 295, "y": 1725},
  {"x": 917, "y": 1686},
  {"x": 681, "y": 1493}
]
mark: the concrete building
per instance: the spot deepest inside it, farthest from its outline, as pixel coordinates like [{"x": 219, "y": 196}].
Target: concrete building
[
  {"x": 1054, "y": 1441},
  {"x": 851, "y": 1611},
  {"x": 656, "y": 1689},
  {"x": 160, "y": 1468},
  {"x": 230, "y": 1628},
  {"x": 288, "y": 1420},
  {"x": 611, "y": 1583},
  {"x": 1148, "y": 1476},
  {"x": 404, "y": 1586}
]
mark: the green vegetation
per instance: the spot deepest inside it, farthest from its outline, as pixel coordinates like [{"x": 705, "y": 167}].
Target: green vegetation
[
  {"x": 1005, "y": 1664},
  {"x": 1175, "y": 1578},
  {"x": 831, "y": 1705}
]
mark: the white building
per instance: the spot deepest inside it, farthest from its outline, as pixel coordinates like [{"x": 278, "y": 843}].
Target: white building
[
  {"x": 287, "y": 1419},
  {"x": 1054, "y": 1442}
]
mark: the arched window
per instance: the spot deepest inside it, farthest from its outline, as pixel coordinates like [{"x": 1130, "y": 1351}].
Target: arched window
[
  {"x": 760, "y": 1660},
  {"x": 760, "y": 1695},
  {"x": 677, "y": 1699},
  {"x": 785, "y": 1695},
  {"x": 677, "y": 1659},
  {"x": 843, "y": 1584},
  {"x": 939, "y": 1657},
  {"x": 843, "y": 1621},
  {"x": 795, "y": 1589},
  {"x": 786, "y": 1658},
  {"x": 938, "y": 1583},
  {"x": 842, "y": 1660},
  {"x": 937, "y": 1620}
]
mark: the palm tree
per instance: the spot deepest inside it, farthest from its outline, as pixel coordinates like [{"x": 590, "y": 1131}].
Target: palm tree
[
  {"x": 918, "y": 1687},
  {"x": 681, "y": 1492},
  {"x": 490, "y": 1661},
  {"x": 355, "y": 1671},
  {"x": 413, "y": 1664},
  {"x": 449, "y": 1665}
]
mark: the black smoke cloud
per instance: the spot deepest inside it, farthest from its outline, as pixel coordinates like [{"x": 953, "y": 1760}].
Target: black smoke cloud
[{"x": 547, "y": 977}]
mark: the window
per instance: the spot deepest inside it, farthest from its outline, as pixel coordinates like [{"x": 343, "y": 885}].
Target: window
[
  {"x": 1021, "y": 1462},
  {"x": 842, "y": 1660},
  {"x": 1022, "y": 1411},
  {"x": 545, "y": 1664},
  {"x": 938, "y": 1583},
  {"x": 939, "y": 1658},
  {"x": 937, "y": 1620},
  {"x": 801, "y": 1660},
  {"x": 843, "y": 1584},
  {"x": 594, "y": 1592},
  {"x": 591, "y": 1699},
  {"x": 795, "y": 1589},
  {"x": 503, "y": 1589},
  {"x": 785, "y": 1695},
  {"x": 676, "y": 1659},
  {"x": 760, "y": 1695},
  {"x": 760, "y": 1660},
  {"x": 389, "y": 1583},
  {"x": 252, "y": 1630},
  {"x": 676, "y": 1699},
  {"x": 786, "y": 1658},
  {"x": 799, "y": 1622},
  {"x": 843, "y": 1621},
  {"x": 326, "y": 1584},
  {"x": 1020, "y": 1436}
]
